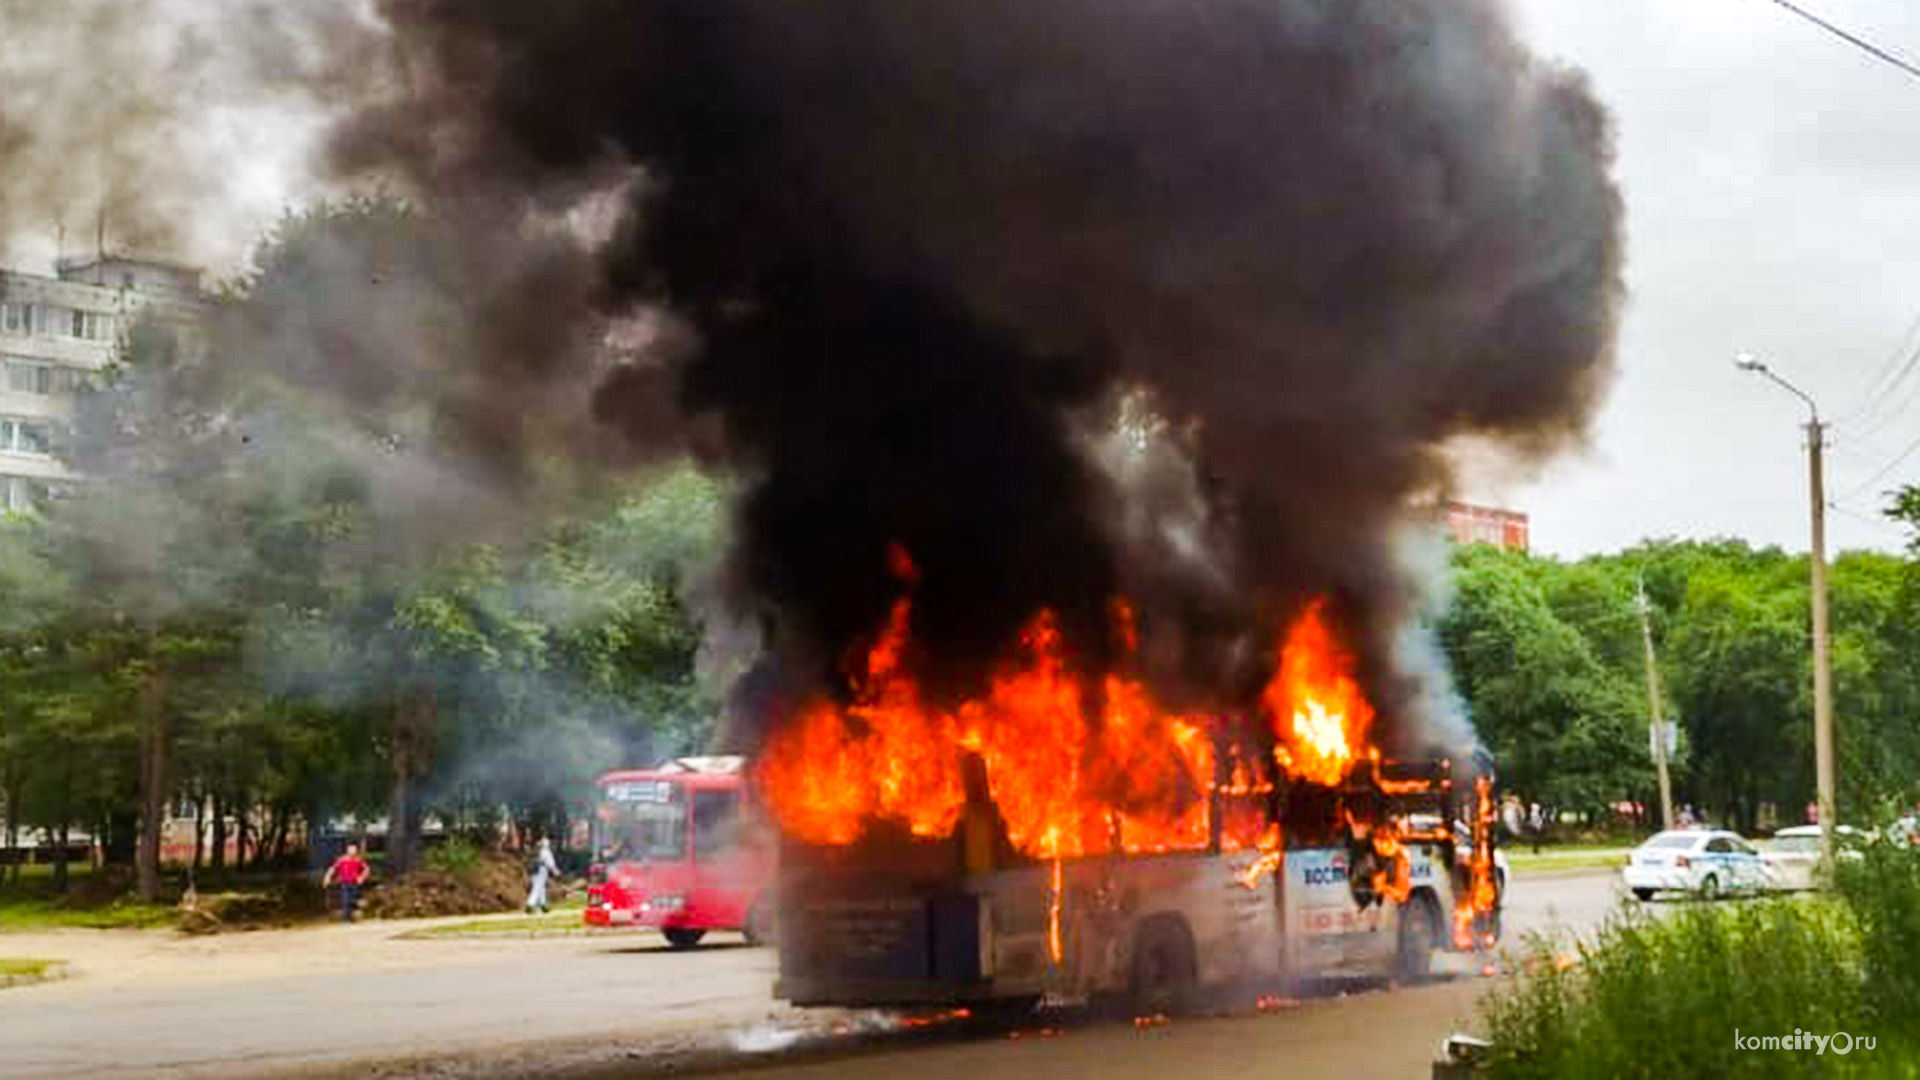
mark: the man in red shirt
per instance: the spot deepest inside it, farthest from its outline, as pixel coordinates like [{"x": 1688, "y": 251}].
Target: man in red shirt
[{"x": 349, "y": 871}]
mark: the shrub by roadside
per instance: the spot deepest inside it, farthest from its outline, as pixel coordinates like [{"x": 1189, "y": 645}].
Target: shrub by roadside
[
  {"x": 1664, "y": 997},
  {"x": 1883, "y": 893}
]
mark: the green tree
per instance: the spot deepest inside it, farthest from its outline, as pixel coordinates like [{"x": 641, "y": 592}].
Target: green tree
[
  {"x": 1568, "y": 731},
  {"x": 1737, "y": 661},
  {"x": 291, "y": 591}
]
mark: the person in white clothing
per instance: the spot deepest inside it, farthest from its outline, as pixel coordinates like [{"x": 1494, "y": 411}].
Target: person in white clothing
[{"x": 544, "y": 868}]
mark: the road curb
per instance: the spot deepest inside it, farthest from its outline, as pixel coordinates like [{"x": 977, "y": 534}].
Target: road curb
[
  {"x": 1520, "y": 876},
  {"x": 52, "y": 973},
  {"x": 575, "y": 930}
]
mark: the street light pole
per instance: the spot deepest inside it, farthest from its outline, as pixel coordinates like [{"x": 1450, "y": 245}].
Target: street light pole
[
  {"x": 1656, "y": 721},
  {"x": 1823, "y": 760}
]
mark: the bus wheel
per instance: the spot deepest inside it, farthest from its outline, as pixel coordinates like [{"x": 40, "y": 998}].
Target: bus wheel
[
  {"x": 1414, "y": 958},
  {"x": 1002, "y": 1012},
  {"x": 1164, "y": 978},
  {"x": 681, "y": 937}
]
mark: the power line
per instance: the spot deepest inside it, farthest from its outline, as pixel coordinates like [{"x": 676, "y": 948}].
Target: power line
[
  {"x": 1869, "y": 519},
  {"x": 1855, "y": 40},
  {"x": 1879, "y": 389},
  {"x": 1898, "y": 460},
  {"x": 1874, "y": 425}
]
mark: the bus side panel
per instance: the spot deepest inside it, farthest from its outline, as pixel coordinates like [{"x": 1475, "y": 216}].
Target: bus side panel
[
  {"x": 1233, "y": 926},
  {"x": 1327, "y": 932},
  {"x": 721, "y": 892}
]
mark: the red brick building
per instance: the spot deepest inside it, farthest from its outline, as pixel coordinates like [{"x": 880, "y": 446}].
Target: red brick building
[{"x": 1469, "y": 524}]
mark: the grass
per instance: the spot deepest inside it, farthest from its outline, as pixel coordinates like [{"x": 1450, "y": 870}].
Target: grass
[
  {"x": 20, "y": 914},
  {"x": 19, "y": 967},
  {"x": 1572, "y": 857},
  {"x": 1663, "y": 997},
  {"x": 564, "y": 919},
  {"x": 554, "y": 922},
  {"x": 30, "y": 904}
]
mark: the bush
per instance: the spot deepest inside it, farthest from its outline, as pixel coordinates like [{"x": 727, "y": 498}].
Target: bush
[
  {"x": 1883, "y": 892},
  {"x": 1663, "y": 997},
  {"x": 456, "y": 857}
]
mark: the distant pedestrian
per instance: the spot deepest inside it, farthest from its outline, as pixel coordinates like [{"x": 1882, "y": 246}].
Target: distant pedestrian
[
  {"x": 543, "y": 869},
  {"x": 1536, "y": 825},
  {"x": 349, "y": 872},
  {"x": 1512, "y": 816}
]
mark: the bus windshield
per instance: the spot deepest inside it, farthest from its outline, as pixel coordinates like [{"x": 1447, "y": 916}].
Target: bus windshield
[{"x": 643, "y": 821}]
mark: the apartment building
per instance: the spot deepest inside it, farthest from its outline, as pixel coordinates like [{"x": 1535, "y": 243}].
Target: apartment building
[
  {"x": 1469, "y": 524},
  {"x": 56, "y": 334}
]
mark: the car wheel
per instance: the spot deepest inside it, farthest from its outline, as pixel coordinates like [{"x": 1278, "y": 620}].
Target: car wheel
[
  {"x": 1710, "y": 887},
  {"x": 1164, "y": 979},
  {"x": 1643, "y": 895},
  {"x": 1418, "y": 925},
  {"x": 681, "y": 937}
]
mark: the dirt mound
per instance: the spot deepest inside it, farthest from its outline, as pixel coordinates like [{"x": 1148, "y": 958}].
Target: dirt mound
[
  {"x": 484, "y": 885},
  {"x": 294, "y": 902},
  {"x": 98, "y": 889}
]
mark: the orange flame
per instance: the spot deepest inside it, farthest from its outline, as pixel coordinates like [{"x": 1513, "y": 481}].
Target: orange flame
[
  {"x": 818, "y": 768},
  {"x": 1315, "y": 705},
  {"x": 1394, "y": 881},
  {"x": 1271, "y": 855},
  {"x": 1481, "y": 895},
  {"x": 1073, "y": 767},
  {"x": 1067, "y": 777}
]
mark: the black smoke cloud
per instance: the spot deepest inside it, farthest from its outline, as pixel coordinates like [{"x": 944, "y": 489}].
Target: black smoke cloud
[{"x": 915, "y": 252}]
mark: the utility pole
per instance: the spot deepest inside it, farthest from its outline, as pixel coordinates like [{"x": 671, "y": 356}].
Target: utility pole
[
  {"x": 1822, "y": 656},
  {"x": 1823, "y": 757},
  {"x": 1655, "y": 714}
]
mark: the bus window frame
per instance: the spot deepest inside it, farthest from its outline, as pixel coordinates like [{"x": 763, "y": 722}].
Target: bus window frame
[{"x": 729, "y": 828}]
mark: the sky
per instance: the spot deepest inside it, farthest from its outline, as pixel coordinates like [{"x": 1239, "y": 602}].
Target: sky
[{"x": 1768, "y": 171}]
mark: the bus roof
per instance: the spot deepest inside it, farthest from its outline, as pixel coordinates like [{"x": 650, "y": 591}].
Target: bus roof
[{"x": 713, "y": 772}]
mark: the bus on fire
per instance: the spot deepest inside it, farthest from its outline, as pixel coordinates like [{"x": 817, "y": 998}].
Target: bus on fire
[
  {"x": 1051, "y": 839},
  {"x": 1370, "y": 877}
]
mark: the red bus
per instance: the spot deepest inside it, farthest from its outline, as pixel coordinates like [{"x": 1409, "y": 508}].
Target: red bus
[{"x": 681, "y": 849}]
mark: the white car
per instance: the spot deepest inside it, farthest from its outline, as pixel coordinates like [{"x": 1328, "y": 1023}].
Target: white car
[
  {"x": 1795, "y": 852},
  {"x": 1711, "y": 862}
]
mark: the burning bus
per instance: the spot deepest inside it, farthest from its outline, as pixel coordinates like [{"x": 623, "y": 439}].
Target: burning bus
[
  {"x": 681, "y": 849},
  {"x": 1045, "y": 841}
]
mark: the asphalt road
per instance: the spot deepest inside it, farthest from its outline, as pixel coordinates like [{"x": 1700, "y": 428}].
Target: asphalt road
[{"x": 616, "y": 1006}]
